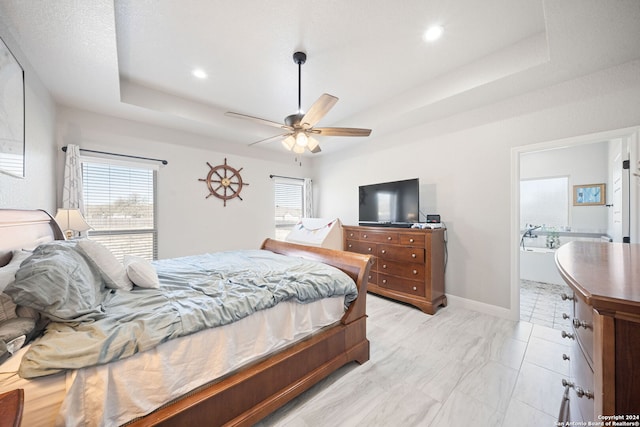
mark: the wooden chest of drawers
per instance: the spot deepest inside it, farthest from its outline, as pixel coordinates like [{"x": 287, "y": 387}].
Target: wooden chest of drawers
[
  {"x": 409, "y": 263},
  {"x": 605, "y": 335}
]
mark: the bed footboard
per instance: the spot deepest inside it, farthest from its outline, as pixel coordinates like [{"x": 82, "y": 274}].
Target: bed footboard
[{"x": 247, "y": 396}]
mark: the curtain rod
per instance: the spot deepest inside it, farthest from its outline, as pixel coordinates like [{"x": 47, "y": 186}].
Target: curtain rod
[
  {"x": 286, "y": 177},
  {"x": 164, "y": 162}
]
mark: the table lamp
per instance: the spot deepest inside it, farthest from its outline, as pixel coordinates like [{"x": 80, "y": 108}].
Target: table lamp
[{"x": 71, "y": 220}]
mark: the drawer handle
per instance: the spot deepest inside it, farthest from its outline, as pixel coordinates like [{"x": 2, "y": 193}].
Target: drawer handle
[
  {"x": 411, "y": 240},
  {"x": 350, "y": 245},
  {"x": 580, "y": 392},
  {"x": 365, "y": 236},
  {"x": 567, "y": 297},
  {"x": 565, "y": 357},
  {"x": 415, "y": 289},
  {"x": 584, "y": 393},
  {"x": 384, "y": 281},
  {"x": 565, "y": 316},
  {"x": 389, "y": 238},
  {"x": 350, "y": 234},
  {"x": 413, "y": 255},
  {"x": 566, "y": 335},
  {"x": 369, "y": 249},
  {"x": 415, "y": 271},
  {"x": 384, "y": 265},
  {"x": 383, "y": 251},
  {"x": 577, "y": 323}
]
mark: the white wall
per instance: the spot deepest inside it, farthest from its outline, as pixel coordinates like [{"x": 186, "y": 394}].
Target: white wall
[
  {"x": 188, "y": 222},
  {"x": 464, "y": 165},
  {"x": 37, "y": 190},
  {"x": 583, "y": 164}
]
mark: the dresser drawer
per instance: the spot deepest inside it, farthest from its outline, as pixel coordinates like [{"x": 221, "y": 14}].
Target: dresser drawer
[
  {"x": 373, "y": 277},
  {"x": 402, "y": 269},
  {"x": 583, "y": 326},
  {"x": 582, "y": 392},
  {"x": 397, "y": 253},
  {"x": 379, "y": 236},
  {"x": 360, "y": 247},
  {"x": 402, "y": 285},
  {"x": 415, "y": 240}
]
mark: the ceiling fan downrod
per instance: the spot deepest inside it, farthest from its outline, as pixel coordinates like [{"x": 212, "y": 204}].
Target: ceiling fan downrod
[{"x": 299, "y": 58}]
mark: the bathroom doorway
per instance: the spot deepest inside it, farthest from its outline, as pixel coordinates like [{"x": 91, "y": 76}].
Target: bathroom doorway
[{"x": 546, "y": 217}]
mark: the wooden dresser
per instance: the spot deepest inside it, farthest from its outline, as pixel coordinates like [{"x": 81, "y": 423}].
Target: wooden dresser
[
  {"x": 605, "y": 336},
  {"x": 408, "y": 266}
]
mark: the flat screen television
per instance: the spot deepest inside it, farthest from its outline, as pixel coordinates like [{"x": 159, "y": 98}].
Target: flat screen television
[{"x": 393, "y": 204}]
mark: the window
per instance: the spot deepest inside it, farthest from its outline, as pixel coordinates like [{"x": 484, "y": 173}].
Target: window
[
  {"x": 544, "y": 202},
  {"x": 120, "y": 202},
  {"x": 290, "y": 196}
]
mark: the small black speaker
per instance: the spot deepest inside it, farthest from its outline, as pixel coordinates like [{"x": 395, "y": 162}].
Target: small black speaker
[{"x": 432, "y": 219}]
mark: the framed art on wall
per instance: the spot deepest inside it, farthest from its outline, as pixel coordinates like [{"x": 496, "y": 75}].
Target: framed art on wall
[
  {"x": 589, "y": 195},
  {"x": 11, "y": 113}
]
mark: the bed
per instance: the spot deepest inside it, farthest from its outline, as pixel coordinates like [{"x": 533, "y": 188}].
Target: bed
[{"x": 245, "y": 392}]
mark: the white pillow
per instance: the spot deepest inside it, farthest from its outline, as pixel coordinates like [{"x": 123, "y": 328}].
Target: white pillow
[
  {"x": 8, "y": 272},
  {"x": 112, "y": 271},
  {"x": 8, "y": 275},
  {"x": 141, "y": 272}
]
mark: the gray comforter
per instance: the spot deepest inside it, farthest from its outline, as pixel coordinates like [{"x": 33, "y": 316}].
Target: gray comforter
[{"x": 196, "y": 292}]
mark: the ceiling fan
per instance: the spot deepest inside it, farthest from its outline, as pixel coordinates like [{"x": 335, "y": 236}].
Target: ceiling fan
[{"x": 300, "y": 130}]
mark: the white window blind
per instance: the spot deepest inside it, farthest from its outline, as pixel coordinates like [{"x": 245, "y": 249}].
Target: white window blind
[
  {"x": 544, "y": 202},
  {"x": 120, "y": 203},
  {"x": 289, "y": 206}
]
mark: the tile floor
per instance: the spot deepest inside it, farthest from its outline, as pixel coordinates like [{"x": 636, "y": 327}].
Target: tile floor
[
  {"x": 456, "y": 368},
  {"x": 540, "y": 303}
]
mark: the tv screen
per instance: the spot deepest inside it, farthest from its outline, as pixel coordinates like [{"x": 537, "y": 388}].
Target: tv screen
[{"x": 389, "y": 203}]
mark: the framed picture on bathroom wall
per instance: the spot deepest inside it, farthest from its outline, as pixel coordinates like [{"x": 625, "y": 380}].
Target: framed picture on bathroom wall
[{"x": 589, "y": 195}]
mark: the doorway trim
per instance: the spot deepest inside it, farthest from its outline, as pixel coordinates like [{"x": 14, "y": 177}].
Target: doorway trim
[{"x": 633, "y": 133}]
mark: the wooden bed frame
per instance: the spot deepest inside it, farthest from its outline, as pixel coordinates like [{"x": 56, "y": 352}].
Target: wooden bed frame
[{"x": 249, "y": 394}]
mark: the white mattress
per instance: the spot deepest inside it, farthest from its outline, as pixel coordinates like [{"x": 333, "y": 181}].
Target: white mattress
[{"x": 115, "y": 393}]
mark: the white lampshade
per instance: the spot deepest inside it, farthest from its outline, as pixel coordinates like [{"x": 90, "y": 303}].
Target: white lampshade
[
  {"x": 71, "y": 220},
  {"x": 313, "y": 143},
  {"x": 289, "y": 142},
  {"x": 301, "y": 139}
]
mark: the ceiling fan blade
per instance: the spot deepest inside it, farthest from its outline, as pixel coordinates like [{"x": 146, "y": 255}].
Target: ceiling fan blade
[
  {"x": 270, "y": 139},
  {"x": 257, "y": 120},
  {"x": 341, "y": 131},
  {"x": 318, "y": 110}
]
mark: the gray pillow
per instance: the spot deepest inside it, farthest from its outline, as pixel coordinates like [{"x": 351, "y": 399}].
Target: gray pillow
[
  {"x": 60, "y": 283},
  {"x": 13, "y": 328}
]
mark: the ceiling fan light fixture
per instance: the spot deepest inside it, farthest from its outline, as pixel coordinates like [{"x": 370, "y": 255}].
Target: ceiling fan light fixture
[
  {"x": 313, "y": 143},
  {"x": 301, "y": 139},
  {"x": 433, "y": 33},
  {"x": 289, "y": 142},
  {"x": 298, "y": 149}
]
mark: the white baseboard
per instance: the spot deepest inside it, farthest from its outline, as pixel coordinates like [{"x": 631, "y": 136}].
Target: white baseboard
[{"x": 481, "y": 307}]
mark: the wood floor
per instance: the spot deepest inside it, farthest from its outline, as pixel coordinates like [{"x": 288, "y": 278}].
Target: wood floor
[{"x": 456, "y": 368}]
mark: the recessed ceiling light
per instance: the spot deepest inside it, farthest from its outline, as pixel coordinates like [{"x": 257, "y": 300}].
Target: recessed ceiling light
[
  {"x": 199, "y": 73},
  {"x": 433, "y": 33}
]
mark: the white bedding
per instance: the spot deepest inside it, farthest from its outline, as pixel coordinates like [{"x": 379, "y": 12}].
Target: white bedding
[{"x": 115, "y": 393}]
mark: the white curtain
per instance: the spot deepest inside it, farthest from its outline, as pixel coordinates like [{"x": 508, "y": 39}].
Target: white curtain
[
  {"x": 72, "y": 197},
  {"x": 308, "y": 198}
]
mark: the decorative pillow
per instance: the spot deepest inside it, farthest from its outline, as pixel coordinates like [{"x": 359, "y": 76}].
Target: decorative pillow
[
  {"x": 112, "y": 270},
  {"x": 141, "y": 272},
  {"x": 60, "y": 283},
  {"x": 7, "y": 307}
]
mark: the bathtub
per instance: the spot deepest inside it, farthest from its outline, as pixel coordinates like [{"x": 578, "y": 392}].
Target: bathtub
[{"x": 538, "y": 264}]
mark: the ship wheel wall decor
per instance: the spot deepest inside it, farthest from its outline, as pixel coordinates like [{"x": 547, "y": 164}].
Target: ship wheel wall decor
[{"x": 224, "y": 182}]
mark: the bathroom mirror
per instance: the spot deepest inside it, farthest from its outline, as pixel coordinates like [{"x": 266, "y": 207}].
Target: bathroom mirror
[{"x": 11, "y": 114}]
